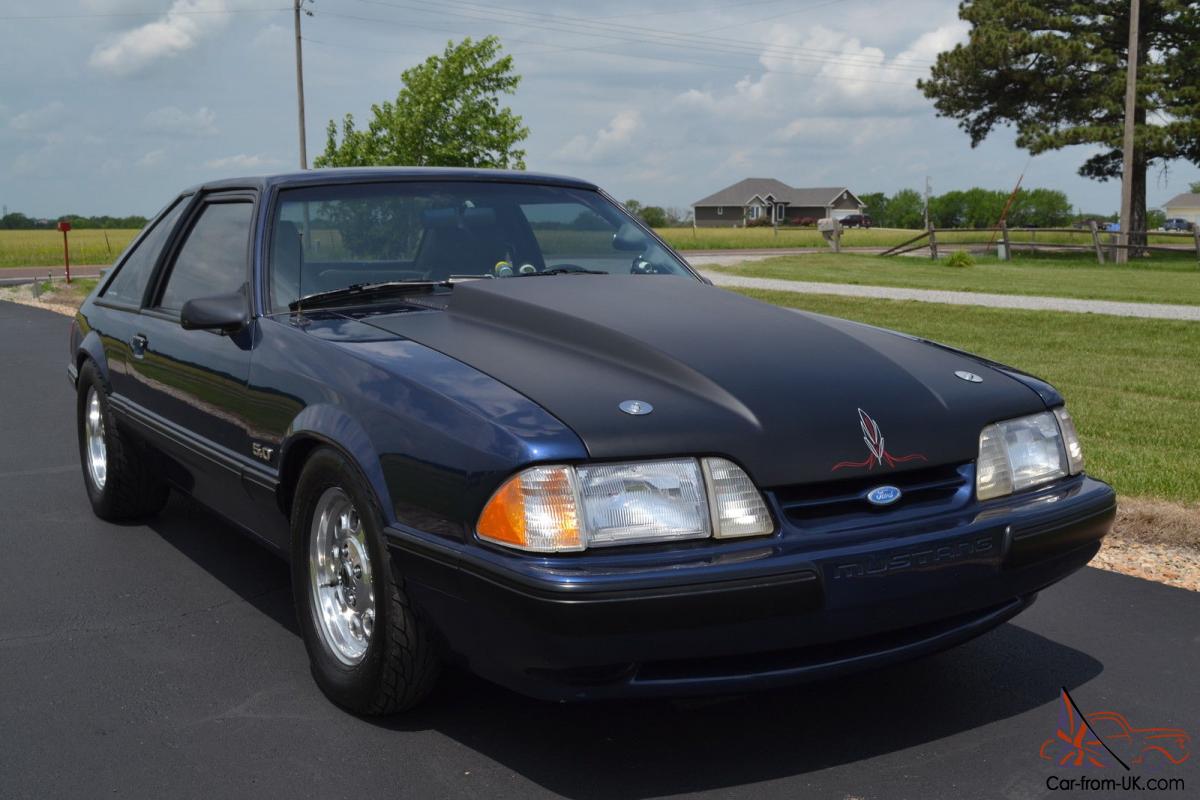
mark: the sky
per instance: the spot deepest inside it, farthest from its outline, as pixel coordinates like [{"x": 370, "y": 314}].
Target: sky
[{"x": 113, "y": 106}]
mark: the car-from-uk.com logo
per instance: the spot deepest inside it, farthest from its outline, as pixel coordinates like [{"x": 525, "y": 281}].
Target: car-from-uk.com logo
[{"x": 1104, "y": 751}]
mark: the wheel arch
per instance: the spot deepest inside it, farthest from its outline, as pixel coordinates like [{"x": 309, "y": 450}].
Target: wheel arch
[
  {"x": 328, "y": 426},
  {"x": 92, "y": 349}
]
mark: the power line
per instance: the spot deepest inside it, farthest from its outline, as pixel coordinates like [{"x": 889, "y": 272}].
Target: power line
[
  {"x": 575, "y": 48},
  {"x": 565, "y": 24},
  {"x": 158, "y": 13},
  {"x": 842, "y": 60},
  {"x": 691, "y": 9}
]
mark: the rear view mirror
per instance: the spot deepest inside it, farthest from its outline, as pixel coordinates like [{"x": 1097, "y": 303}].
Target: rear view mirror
[
  {"x": 630, "y": 238},
  {"x": 225, "y": 313}
]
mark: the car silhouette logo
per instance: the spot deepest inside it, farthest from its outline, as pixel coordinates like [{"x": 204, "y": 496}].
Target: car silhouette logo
[{"x": 883, "y": 495}]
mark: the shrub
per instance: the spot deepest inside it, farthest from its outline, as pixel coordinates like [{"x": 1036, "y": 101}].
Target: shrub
[{"x": 959, "y": 258}]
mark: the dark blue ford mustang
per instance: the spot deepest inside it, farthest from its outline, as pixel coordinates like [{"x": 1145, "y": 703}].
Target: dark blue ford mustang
[{"x": 491, "y": 418}]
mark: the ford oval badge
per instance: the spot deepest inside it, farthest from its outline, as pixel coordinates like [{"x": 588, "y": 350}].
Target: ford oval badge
[
  {"x": 635, "y": 407},
  {"x": 883, "y": 495}
]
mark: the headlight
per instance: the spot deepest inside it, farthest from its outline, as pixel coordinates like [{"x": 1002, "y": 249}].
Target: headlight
[
  {"x": 1028, "y": 451},
  {"x": 561, "y": 508}
]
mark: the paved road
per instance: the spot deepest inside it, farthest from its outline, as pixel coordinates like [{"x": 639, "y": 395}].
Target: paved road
[
  {"x": 1031, "y": 302},
  {"x": 163, "y": 660},
  {"x": 11, "y": 276}
]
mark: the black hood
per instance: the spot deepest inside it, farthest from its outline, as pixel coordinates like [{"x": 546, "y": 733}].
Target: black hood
[{"x": 777, "y": 390}]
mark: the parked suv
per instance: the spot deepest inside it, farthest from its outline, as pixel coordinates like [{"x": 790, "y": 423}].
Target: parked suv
[
  {"x": 1177, "y": 224},
  {"x": 857, "y": 221}
]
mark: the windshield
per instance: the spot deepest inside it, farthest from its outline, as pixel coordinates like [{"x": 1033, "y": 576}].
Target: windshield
[{"x": 326, "y": 238}]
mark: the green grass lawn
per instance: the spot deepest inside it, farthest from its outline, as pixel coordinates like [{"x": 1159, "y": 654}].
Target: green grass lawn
[
  {"x": 764, "y": 238},
  {"x": 45, "y": 248},
  {"x": 1131, "y": 384},
  {"x": 1167, "y": 279}
]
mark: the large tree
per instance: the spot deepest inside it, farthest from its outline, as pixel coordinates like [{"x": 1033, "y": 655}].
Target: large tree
[
  {"x": 1055, "y": 70},
  {"x": 447, "y": 114}
]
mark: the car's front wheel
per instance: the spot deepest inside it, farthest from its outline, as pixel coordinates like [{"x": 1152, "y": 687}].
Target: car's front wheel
[
  {"x": 121, "y": 483},
  {"x": 370, "y": 651}
]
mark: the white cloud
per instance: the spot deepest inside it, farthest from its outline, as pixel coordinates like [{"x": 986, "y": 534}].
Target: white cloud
[
  {"x": 832, "y": 74},
  {"x": 152, "y": 158},
  {"x": 241, "y": 161},
  {"x": 38, "y": 119},
  {"x": 605, "y": 142},
  {"x": 273, "y": 36},
  {"x": 178, "y": 30},
  {"x": 172, "y": 119}
]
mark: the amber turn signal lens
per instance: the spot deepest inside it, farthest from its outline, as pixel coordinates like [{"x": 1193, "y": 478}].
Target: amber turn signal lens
[{"x": 535, "y": 510}]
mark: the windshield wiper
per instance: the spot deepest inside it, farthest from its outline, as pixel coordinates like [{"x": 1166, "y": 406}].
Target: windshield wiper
[
  {"x": 365, "y": 290},
  {"x": 382, "y": 289},
  {"x": 572, "y": 270}
]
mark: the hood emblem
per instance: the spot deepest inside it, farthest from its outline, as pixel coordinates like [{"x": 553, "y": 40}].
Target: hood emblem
[
  {"x": 883, "y": 495},
  {"x": 635, "y": 407},
  {"x": 873, "y": 439},
  {"x": 970, "y": 377}
]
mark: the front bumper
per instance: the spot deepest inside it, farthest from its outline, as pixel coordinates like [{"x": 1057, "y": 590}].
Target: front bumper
[{"x": 749, "y": 614}]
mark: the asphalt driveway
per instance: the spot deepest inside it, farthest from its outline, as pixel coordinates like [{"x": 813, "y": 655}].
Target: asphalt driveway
[{"x": 163, "y": 660}]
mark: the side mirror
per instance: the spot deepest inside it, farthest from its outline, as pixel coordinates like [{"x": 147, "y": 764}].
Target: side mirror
[
  {"x": 224, "y": 313},
  {"x": 629, "y": 238}
]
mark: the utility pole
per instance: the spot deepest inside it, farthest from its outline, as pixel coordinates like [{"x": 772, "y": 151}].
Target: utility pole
[
  {"x": 1130, "y": 113},
  {"x": 300, "y": 85},
  {"x": 926, "y": 202}
]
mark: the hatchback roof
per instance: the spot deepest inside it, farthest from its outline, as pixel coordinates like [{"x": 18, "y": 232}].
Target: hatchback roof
[{"x": 317, "y": 177}]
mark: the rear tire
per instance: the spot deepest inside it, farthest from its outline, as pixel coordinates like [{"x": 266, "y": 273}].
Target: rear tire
[
  {"x": 369, "y": 650},
  {"x": 121, "y": 482}
]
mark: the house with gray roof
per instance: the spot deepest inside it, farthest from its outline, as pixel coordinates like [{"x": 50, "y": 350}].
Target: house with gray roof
[
  {"x": 766, "y": 198},
  {"x": 1184, "y": 206}
]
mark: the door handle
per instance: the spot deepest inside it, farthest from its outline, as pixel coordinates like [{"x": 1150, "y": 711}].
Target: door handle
[{"x": 138, "y": 344}]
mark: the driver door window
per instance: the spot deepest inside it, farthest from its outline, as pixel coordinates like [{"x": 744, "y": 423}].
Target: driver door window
[{"x": 213, "y": 259}]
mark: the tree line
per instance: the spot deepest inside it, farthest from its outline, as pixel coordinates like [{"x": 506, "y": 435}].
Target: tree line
[
  {"x": 16, "y": 221},
  {"x": 970, "y": 208},
  {"x": 659, "y": 217}
]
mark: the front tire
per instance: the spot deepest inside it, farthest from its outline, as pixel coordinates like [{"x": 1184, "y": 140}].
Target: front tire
[
  {"x": 369, "y": 650},
  {"x": 120, "y": 482}
]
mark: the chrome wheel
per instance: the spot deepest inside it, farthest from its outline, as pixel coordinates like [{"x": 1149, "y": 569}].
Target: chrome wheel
[
  {"x": 93, "y": 431},
  {"x": 343, "y": 587}
]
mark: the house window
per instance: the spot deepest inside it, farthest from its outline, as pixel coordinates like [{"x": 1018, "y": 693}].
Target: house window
[
  {"x": 779, "y": 213},
  {"x": 720, "y": 211},
  {"x": 754, "y": 212}
]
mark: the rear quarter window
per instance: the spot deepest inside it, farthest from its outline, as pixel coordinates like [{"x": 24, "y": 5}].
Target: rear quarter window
[{"x": 129, "y": 284}]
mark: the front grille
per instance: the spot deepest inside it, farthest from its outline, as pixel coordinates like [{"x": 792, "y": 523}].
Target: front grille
[{"x": 843, "y": 502}]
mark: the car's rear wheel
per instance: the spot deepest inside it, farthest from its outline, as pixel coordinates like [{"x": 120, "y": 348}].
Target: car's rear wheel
[
  {"x": 121, "y": 483},
  {"x": 369, "y": 649}
]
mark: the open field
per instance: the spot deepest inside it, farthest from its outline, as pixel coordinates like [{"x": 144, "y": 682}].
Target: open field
[
  {"x": 763, "y": 238},
  {"x": 1130, "y": 383},
  {"x": 1160, "y": 280},
  {"x": 45, "y": 248}
]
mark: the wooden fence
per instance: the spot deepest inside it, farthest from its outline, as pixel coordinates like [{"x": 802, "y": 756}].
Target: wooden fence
[{"x": 1102, "y": 242}]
